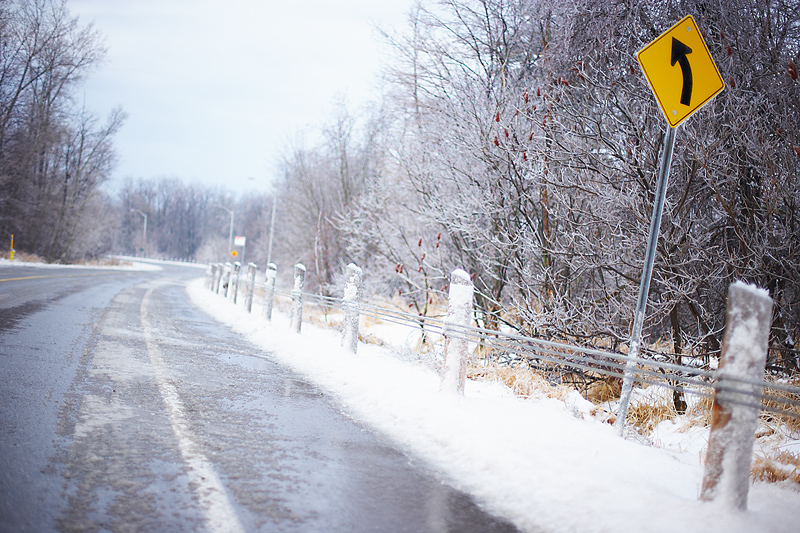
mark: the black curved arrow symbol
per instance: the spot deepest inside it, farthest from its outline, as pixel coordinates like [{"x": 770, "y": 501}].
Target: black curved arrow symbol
[{"x": 679, "y": 53}]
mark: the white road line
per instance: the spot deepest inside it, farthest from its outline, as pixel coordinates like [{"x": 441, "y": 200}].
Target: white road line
[{"x": 214, "y": 500}]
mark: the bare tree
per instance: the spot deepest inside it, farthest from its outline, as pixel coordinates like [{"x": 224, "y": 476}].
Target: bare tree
[
  {"x": 319, "y": 184},
  {"x": 528, "y": 133},
  {"x": 519, "y": 140},
  {"x": 52, "y": 154}
]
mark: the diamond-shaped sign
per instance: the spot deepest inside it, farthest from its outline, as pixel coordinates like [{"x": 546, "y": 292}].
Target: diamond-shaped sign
[{"x": 680, "y": 71}]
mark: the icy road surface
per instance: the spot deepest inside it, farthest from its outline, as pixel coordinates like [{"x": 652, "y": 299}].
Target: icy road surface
[{"x": 123, "y": 407}]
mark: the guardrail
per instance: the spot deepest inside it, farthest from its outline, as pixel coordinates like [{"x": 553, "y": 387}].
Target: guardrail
[
  {"x": 542, "y": 353},
  {"x": 733, "y": 389}
]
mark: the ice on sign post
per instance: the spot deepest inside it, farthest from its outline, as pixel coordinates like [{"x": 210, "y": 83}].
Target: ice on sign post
[{"x": 680, "y": 71}]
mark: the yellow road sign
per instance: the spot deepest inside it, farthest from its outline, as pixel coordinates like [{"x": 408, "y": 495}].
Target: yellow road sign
[{"x": 680, "y": 71}]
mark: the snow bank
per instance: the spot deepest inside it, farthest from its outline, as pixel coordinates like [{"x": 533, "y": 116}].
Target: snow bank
[
  {"x": 532, "y": 461},
  {"x": 134, "y": 264}
]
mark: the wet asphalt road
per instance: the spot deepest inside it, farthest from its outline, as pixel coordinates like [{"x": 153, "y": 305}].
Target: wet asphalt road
[{"x": 123, "y": 408}]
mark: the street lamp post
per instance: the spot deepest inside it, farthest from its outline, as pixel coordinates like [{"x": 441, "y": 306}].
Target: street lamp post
[
  {"x": 230, "y": 235},
  {"x": 144, "y": 231},
  {"x": 272, "y": 228}
]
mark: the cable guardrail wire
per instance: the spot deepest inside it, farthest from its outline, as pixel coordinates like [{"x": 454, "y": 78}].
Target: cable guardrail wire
[
  {"x": 682, "y": 378},
  {"x": 659, "y": 377},
  {"x": 589, "y": 364}
]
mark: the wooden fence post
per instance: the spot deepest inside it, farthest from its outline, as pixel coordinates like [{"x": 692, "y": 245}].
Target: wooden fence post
[
  {"x": 269, "y": 291},
  {"x": 459, "y": 318},
  {"x": 251, "y": 286},
  {"x": 211, "y": 273},
  {"x": 351, "y": 306},
  {"x": 227, "y": 283},
  {"x": 237, "y": 276},
  {"x": 734, "y": 418},
  {"x": 217, "y": 278},
  {"x": 297, "y": 298}
]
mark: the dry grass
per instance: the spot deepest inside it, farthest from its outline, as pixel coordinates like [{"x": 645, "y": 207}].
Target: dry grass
[
  {"x": 317, "y": 316},
  {"x": 22, "y": 257},
  {"x": 520, "y": 379},
  {"x": 792, "y": 423},
  {"x": 604, "y": 390},
  {"x": 646, "y": 415},
  {"x": 527, "y": 383},
  {"x": 368, "y": 321},
  {"x": 596, "y": 388},
  {"x": 776, "y": 468},
  {"x": 282, "y": 303},
  {"x": 699, "y": 413}
]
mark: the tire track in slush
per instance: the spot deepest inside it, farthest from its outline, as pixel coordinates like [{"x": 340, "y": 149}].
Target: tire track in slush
[{"x": 214, "y": 501}]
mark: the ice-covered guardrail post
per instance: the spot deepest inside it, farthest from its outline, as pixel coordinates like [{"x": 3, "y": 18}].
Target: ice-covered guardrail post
[
  {"x": 459, "y": 317},
  {"x": 217, "y": 278},
  {"x": 351, "y": 306},
  {"x": 297, "y": 298},
  {"x": 734, "y": 417},
  {"x": 251, "y": 286},
  {"x": 269, "y": 291},
  {"x": 210, "y": 271},
  {"x": 237, "y": 276},
  {"x": 227, "y": 281}
]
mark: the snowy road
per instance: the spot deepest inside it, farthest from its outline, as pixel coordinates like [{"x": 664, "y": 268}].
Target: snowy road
[{"x": 123, "y": 407}]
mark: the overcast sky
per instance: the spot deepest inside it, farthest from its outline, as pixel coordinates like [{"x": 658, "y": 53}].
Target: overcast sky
[{"x": 215, "y": 89}]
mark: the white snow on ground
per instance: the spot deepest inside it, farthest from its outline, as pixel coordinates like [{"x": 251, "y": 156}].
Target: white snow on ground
[
  {"x": 535, "y": 462},
  {"x": 132, "y": 263},
  {"x": 155, "y": 264}
]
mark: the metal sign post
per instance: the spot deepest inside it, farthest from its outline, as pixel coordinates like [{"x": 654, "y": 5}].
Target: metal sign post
[
  {"x": 644, "y": 284},
  {"x": 241, "y": 240},
  {"x": 680, "y": 92}
]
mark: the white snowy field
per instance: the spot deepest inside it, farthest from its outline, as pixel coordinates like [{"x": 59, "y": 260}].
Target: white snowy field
[{"x": 537, "y": 462}]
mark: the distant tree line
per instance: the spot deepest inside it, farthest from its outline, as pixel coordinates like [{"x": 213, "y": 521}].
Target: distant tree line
[{"x": 190, "y": 221}]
